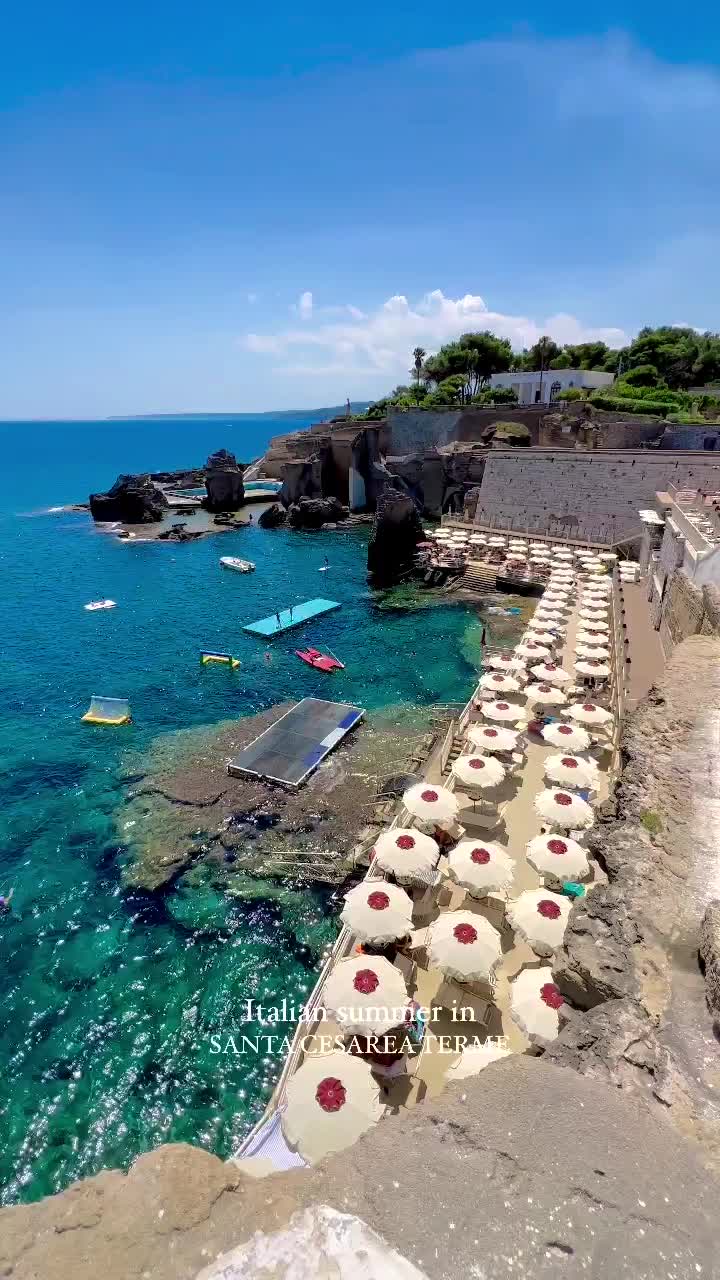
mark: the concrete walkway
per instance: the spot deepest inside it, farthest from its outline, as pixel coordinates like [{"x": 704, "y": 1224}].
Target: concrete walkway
[{"x": 647, "y": 660}]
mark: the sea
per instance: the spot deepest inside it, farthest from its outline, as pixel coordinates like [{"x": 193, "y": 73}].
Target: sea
[{"x": 113, "y": 998}]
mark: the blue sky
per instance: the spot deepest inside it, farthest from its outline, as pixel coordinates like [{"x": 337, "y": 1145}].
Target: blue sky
[{"x": 207, "y": 210}]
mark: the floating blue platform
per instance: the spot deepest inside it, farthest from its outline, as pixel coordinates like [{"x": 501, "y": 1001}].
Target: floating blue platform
[
  {"x": 290, "y": 618},
  {"x": 293, "y": 747}
]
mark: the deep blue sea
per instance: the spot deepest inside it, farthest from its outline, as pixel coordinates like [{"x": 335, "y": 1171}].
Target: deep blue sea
[{"x": 109, "y": 996}]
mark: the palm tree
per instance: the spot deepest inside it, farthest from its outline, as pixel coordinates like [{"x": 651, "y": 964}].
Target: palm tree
[{"x": 418, "y": 357}]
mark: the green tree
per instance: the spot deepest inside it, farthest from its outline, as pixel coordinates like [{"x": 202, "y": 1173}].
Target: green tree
[
  {"x": 541, "y": 353},
  {"x": 585, "y": 355},
  {"x": 642, "y": 375},
  {"x": 496, "y": 395},
  {"x": 419, "y": 355}
]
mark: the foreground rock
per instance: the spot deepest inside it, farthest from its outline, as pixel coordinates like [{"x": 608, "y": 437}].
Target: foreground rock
[
  {"x": 709, "y": 950},
  {"x": 179, "y": 533},
  {"x": 630, "y": 956},
  {"x": 223, "y": 482},
  {"x": 132, "y": 500},
  {"x": 397, "y": 530},
  {"x": 530, "y": 1171}
]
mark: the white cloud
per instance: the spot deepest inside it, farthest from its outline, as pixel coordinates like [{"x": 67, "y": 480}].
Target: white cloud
[
  {"x": 382, "y": 341},
  {"x": 305, "y": 305}
]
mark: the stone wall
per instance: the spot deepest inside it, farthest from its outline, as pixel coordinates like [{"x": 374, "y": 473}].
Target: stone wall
[
  {"x": 689, "y": 437},
  {"x": 687, "y": 610},
  {"x": 415, "y": 430},
  {"x": 588, "y": 495}
]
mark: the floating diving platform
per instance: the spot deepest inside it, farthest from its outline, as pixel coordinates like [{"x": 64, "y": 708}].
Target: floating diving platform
[
  {"x": 289, "y": 618},
  {"x": 107, "y": 711},
  {"x": 294, "y": 745}
]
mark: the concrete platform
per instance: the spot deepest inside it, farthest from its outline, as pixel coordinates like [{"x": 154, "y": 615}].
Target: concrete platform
[
  {"x": 289, "y": 618},
  {"x": 293, "y": 747}
]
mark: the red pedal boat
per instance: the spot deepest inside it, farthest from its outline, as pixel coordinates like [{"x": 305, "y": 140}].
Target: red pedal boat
[{"x": 321, "y": 661}]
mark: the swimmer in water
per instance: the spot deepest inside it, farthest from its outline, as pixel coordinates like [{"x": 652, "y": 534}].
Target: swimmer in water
[{"x": 5, "y": 900}]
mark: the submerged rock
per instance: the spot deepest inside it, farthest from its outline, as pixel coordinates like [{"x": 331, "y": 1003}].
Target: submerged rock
[
  {"x": 132, "y": 500},
  {"x": 179, "y": 533},
  {"x": 223, "y": 482},
  {"x": 397, "y": 530}
]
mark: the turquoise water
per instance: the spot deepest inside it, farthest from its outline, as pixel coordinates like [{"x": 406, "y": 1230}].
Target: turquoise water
[{"x": 110, "y": 996}]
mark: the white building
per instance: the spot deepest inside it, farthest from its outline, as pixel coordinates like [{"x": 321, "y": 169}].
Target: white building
[
  {"x": 543, "y": 388},
  {"x": 683, "y": 534}
]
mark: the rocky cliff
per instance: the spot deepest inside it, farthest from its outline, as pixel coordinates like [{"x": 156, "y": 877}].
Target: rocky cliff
[
  {"x": 397, "y": 530},
  {"x": 631, "y": 949},
  {"x": 529, "y": 1171}
]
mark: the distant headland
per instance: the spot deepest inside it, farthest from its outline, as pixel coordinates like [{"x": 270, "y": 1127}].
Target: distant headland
[{"x": 356, "y": 406}]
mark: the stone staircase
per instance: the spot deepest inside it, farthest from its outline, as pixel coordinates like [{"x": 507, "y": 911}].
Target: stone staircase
[
  {"x": 455, "y": 751},
  {"x": 477, "y": 577}
]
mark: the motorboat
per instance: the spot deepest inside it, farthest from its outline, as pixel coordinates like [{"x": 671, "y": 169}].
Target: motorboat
[
  {"x": 240, "y": 566},
  {"x": 94, "y": 605},
  {"x": 320, "y": 661}
]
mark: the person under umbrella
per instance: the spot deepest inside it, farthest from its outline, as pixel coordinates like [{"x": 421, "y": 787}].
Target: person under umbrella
[
  {"x": 367, "y": 995},
  {"x": 570, "y": 737},
  {"x": 571, "y": 771},
  {"x": 558, "y": 856},
  {"x": 564, "y": 809},
  {"x": 481, "y": 867},
  {"x": 536, "y": 1003},
  {"x": 332, "y": 1099},
  {"x": 378, "y": 912},
  {"x": 540, "y": 917},
  {"x": 464, "y": 946},
  {"x": 408, "y": 855}
]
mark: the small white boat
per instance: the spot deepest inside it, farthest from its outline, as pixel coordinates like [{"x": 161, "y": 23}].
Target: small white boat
[
  {"x": 240, "y": 566},
  {"x": 99, "y": 604}
]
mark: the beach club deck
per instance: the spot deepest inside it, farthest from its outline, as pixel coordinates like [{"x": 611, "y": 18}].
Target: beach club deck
[
  {"x": 506, "y": 817},
  {"x": 293, "y": 747}
]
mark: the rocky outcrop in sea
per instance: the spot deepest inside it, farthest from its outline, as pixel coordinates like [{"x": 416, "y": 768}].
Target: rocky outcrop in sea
[
  {"x": 131, "y": 500},
  {"x": 397, "y": 530},
  {"x": 223, "y": 482}
]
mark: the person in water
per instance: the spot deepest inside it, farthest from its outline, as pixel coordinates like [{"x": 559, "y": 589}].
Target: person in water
[
  {"x": 277, "y": 615},
  {"x": 268, "y": 658},
  {"x": 5, "y": 900}
]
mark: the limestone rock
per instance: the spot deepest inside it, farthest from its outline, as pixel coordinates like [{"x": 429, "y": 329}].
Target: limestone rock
[
  {"x": 709, "y": 950},
  {"x": 529, "y": 1171},
  {"x": 272, "y": 517},
  {"x": 223, "y": 482},
  {"x": 132, "y": 500},
  {"x": 179, "y": 533},
  {"x": 595, "y": 962},
  {"x": 397, "y": 530},
  {"x": 319, "y": 1242},
  {"x": 313, "y": 513}
]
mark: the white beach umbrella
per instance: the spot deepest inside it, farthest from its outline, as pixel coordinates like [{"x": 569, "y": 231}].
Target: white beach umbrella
[
  {"x": 482, "y": 772},
  {"x": 540, "y": 556},
  {"x": 568, "y": 736},
  {"x": 496, "y": 541},
  {"x": 590, "y": 613},
  {"x": 557, "y": 596},
  {"x": 558, "y": 856},
  {"x": 545, "y": 695},
  {"x": 591, "y": 638},
  {"x": 596, "y": 626},
  {"x": 532, "y": 649},
  {"x": 481, "y": 868},
  {"x": 505, "y": 712},
  {"x": 535, "y": 1002},
  {"x": 407, "y": 854},
  {"x": 550, "y": 673},
  {"x": 499, "y": 682},
  {"x": 332, "y": 1100},
  {"x": 540, "y": 917},
  {"x": 430, "y": 803},
  {"x": 608, "y": 557},
  {"x": 566, "y": 556},
  {"x": 564, "y": 809},
  {"x": 543, "y": 626},
  {"x": 593, "y": 667},
  {"x": 538, "y": 546},
  {"x": 546, "y": 613},
  {"x": 504, "y": 662},
  {"x": 474, "y": 1059},
  {"x": 571, "y": 770},
  {"x": 592, "y": 651},
  {"x": 465, "y": 946},
  {"x": 377, "y": 911},
  {"x": 594, "y": 600},
  {"x": 490, "y": 738},
  {"x": 589, "y": 713},
  {"x": 367, "y": 995}
]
